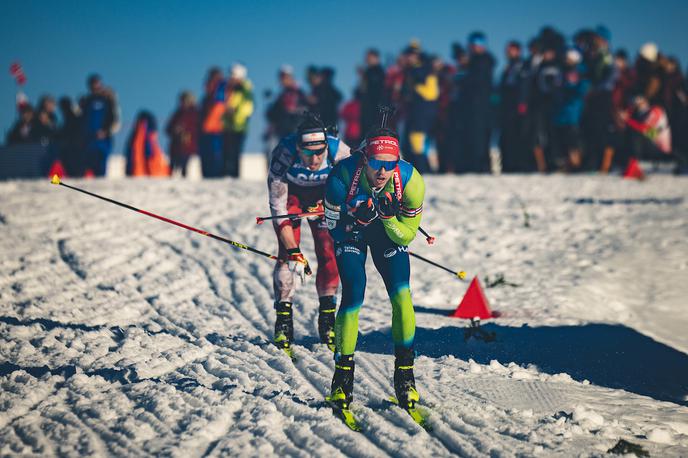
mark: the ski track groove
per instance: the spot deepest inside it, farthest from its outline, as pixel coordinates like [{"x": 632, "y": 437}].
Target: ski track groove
[
  {"x": 152, "y": 418},
  {"x": 385, "y": 411},
  {"x": 242, "y": 289},
  {"x": 26, "y": 438},
  {"x": 103, "y": 435},
  {"x": 100, "y": 444},
  {"x": 32, "y": 408},
  {"x": 211, "y": 283},
  {"x": 70, "y": 260},
  {"x": 473, "y": 429},
  {"x": 228, "y": 300}
]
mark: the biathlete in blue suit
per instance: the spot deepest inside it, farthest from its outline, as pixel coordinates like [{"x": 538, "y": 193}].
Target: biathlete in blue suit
[{"x": 374, "y": 201}]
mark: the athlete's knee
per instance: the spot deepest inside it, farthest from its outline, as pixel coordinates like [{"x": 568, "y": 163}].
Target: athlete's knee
[
  {"x": 399, "y": 292},
  {"x": 327, "y": 267}
]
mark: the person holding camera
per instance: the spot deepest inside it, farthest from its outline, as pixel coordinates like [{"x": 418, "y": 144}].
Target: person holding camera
[{"x": 299, "y": 167}]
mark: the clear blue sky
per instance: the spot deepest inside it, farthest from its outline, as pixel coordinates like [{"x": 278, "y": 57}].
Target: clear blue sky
[{"x": 149, "y": 50}]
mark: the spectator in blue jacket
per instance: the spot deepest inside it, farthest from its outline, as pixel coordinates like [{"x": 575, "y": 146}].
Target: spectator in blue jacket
[
  {"x": 98, "y": 121},
  {"x": 567, "y": 110}
]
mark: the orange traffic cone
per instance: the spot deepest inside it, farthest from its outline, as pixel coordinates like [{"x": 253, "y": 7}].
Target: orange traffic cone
[{"x": 633, "y": 170}]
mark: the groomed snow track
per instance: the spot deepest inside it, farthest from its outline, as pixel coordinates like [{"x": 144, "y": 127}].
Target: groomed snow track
[{"x": 122, "y": 335}]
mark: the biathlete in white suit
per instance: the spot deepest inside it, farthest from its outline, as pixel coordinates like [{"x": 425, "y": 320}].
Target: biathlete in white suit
[{"x": 299, "y": 167}]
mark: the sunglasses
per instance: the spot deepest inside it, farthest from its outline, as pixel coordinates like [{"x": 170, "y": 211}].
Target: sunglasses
[
  {"x": 376, "y": 164},
  {"x": 313, "y": 152}
]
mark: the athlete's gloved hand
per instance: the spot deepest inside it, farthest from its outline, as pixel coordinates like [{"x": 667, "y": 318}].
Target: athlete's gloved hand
[
  {"x": 365, "y": 212},
  {"x": 318, "y": 207},
  {"x": 388, "y": 205},
  {"x": 297, "y": 264}
]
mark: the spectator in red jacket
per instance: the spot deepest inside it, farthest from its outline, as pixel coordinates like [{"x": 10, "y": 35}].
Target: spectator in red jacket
[
  {"x": 351, "y": 115},
  {"x": 182, "y": 128}
]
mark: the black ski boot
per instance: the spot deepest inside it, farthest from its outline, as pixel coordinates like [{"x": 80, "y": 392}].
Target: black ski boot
[
  {"x": 404, "y": 382},
  {"x": 326, "y": 316},
  {"x": 284, "y": 327},
  {"x": 342, "y": 390}
]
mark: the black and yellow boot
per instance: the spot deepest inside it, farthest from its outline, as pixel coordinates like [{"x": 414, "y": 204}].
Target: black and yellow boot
[
  {"x": 343, "y": 381},
  {"x": 326, "y": 317},
  {"x": 284, "y": 327},
  {"x": 342, "y": 390},
  {"x": 404, "y": 382}
]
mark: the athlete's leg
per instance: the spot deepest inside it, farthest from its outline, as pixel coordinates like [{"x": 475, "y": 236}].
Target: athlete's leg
[
  {"x": 351, "y": 258},
  {"x": 283, "y": 284},
  {"x": 326, "y": 281},
  {"x": 392, "y": 261}
]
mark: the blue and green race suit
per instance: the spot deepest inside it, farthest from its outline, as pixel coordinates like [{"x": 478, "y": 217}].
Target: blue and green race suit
[{"x": 388, "y": 240}]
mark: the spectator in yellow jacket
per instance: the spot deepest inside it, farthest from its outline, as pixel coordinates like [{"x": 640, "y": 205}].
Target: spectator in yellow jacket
[{"x": 238, "y": 112}]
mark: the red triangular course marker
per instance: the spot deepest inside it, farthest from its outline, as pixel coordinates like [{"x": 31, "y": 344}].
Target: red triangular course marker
[
  {"x": 633, "y": 170},
  {"x": 474, "y": 304},
  {"x": 56, "y": 169}
]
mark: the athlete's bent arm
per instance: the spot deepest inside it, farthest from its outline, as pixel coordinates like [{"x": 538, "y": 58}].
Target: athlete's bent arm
[
  {"x": 278, "y": 187},
  {"x": 402, "y": 229}
]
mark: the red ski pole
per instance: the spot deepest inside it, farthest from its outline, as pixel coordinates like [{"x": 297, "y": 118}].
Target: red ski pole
[{"x": 56, "y": 180}]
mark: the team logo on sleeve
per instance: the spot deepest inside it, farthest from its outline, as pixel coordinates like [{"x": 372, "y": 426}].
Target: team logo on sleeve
[{"x": 331, "y": 214}]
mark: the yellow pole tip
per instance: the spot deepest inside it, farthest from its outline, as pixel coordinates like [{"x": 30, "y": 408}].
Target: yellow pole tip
[
  {"x": 56, "y": 179},
  {"x": 461, "y": 275}
]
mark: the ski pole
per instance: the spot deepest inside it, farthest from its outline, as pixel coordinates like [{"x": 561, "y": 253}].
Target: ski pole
[
  {"x": 460, "y": 274},
  {"x": 428, "y": 238},
  {"x": 261, "y": 219},
  {"x": 56, "y": 180}
]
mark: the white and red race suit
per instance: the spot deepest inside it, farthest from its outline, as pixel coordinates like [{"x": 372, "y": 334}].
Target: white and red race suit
[{"x": 293, "y": 188}]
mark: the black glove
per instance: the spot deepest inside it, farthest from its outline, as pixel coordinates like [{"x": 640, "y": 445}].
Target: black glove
[
  {"x": 366, "y": 212},
  {"x": 388, "y": 205}
]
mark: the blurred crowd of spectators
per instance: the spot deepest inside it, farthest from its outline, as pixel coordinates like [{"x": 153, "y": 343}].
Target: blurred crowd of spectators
[
  {"x": 559, "y": 104},
  {"x": 214, "y": 130},
  {"x": 83, "y": 140},
  {"x": 566, "y": 104}
]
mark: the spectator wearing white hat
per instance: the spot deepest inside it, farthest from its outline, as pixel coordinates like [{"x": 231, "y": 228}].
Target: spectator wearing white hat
[
  {"x": 237, "y": 115},
  {"x": 568, "y": 107},
  {"x": 647, "y": 75}
]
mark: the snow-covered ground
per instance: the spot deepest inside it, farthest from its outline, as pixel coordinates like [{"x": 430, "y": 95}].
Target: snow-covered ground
[{"x": 122, "y": 335}]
